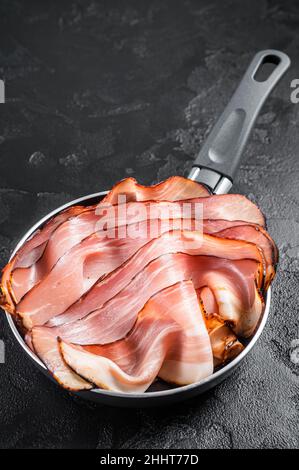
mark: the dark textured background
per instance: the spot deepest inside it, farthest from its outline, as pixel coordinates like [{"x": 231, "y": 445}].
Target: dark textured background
[{"x": 97, "y": 91}]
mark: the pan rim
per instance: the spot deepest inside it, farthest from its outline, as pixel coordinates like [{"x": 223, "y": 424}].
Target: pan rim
[{"x": 109, "y": 393}]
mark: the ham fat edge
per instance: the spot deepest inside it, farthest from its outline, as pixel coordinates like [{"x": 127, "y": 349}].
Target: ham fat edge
[{"x": 117, "y": 313}]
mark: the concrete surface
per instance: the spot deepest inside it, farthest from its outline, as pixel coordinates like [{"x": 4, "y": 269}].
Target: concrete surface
[{"x": 96, "y": 91}]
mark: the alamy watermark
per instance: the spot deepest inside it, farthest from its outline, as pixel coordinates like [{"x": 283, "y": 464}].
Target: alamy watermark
[
  {"x": 2, "y": 352},
  {"x": 148, "y": 220},
  {"x": 294, "y": 351},
  {"x": 295, "y": 93},
  {"x": 2, "y": 92}
]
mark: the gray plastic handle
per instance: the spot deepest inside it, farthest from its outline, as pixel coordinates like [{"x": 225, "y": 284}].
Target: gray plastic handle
[{"x": 223, "y": 149}]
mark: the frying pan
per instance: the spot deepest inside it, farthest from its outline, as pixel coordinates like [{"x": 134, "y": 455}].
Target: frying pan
[{"x": 215, "y": 166}]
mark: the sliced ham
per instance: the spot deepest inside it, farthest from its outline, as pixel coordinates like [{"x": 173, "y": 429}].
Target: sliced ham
[
  {"x": 76, "y": 229},
  {"x": 91, "y": 259},
  {"x": 229, "y": 207},
  {"x": 44, "y": 343},
  {"x": 105, "y": 289},
  {"x": 259, "y": 237},
  {"x": 158, "y": 281},
  {"x": 126, "y": 355},
  {"x": 224, "y": 206},
  {"x": 169, "y": 339},
  {"x": 225, "y": 344},
  {"x": 233, "y": 284},
  {"x": 28, "y": 340},
  {"x": 68, "y": 281},
  {"x": 30, "y": 252},
  {"x": 174, "y": 188}
]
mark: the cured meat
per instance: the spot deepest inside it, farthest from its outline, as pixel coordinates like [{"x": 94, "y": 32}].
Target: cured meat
[
  {"x": 225, "y": 344},
  {"x": 28, "y": 340},
  {"x": 230, "y": 207},
  {"x": 259, "y": 237},
  {"x": 30, "y": 252},
  {"x": 105, "y": 289},
  {"x": 233, "y": 284},
  {"x": 158, "y": 281},
  {"x": 76, "y": 229},
  {"x": 91, "y": 259},
  {"x": 225, "y": 206},
  {"x": 172, "y": 189},
  {"x": 44, "y": 343},
  {"x": 175, "y": 188},
  {"x": 68, "y": 281},
  {"x": 126, "y": 353},
  {"x": 169, "y": 339}
]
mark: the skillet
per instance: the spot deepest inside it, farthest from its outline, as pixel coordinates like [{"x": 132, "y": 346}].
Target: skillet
[{"x": 215, "y": 167}]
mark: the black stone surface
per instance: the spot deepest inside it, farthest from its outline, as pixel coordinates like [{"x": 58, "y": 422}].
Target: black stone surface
[{"x": 96, "y": 91}]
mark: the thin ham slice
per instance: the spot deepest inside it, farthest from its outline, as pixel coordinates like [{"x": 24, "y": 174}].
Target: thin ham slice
[
  {"x": 44, "y": 343},
  {"x": 174, "y": 188},
  {"x": 169, "y": 339},
  {"x": 30, "y": 252},
  {"x": 28, "y": 340},
  {"x": 224, "y": 206},
  {"x": 259, "y": 237},
  {"x": 225, "y": 344}
]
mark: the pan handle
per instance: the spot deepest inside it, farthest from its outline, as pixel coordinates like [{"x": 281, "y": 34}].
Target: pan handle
[{"x": 220, "y": 156}]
